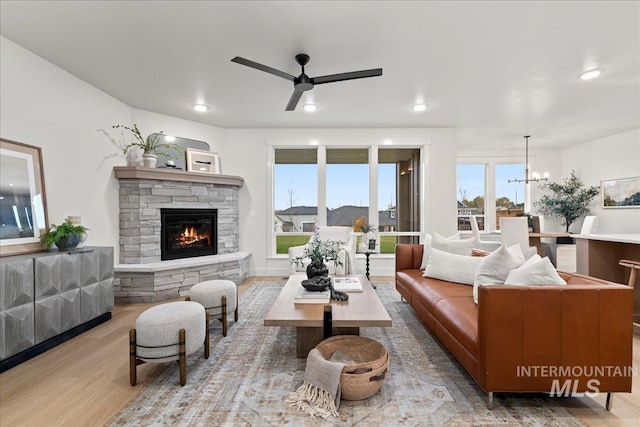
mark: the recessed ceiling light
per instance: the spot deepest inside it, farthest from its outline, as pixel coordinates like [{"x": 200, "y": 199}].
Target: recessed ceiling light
[
  {"x": 200, "y": 108},
  {"x": 314, "y": 142},
  {"x": 310, "y": 108},
  {"x": 591, "y": 74},
  {"x": 419, "y": 107},
  {"x": 387, "y": 142},
  {"x": 169, "y": 138}
]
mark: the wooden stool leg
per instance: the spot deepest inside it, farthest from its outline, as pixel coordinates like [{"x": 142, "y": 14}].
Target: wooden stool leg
[
  {"x": 206, "y": 336},
  {"x": 235, "y": 313},
  {"x": 632, "y": 277},
  {"x": 224, "y": 316},
  {"x": 183, "y": 357},
  {"x": 132, "y": 357}
]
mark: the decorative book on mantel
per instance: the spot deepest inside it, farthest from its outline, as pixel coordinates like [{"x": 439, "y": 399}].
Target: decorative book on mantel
[
  {"x": 304, "y": 296},
  {"x": 347, "y": 284}
]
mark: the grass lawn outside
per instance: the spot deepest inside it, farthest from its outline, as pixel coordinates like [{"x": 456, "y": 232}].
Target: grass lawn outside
[{"x": 283, "y": 243}]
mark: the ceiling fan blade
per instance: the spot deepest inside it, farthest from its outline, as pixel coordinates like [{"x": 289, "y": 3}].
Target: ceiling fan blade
[
  {"x": 294, "y": 100},
  {"x": 347, "y": 76},
  {"x": 252, "y": 64}
]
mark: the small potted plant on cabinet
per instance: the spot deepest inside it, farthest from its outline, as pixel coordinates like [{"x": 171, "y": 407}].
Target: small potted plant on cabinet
[{"x": 65, "y": 236}]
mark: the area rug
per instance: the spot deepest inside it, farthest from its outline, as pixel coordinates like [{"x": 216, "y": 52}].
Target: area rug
[{"x": 253, "y": 369}]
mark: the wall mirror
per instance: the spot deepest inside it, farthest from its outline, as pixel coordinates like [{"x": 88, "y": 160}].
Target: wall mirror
[
  {"x": 23, "y": 206},
  {"x": 178, "y": 155}
]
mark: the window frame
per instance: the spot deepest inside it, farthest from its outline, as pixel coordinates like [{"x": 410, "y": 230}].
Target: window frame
[
  {"x": 373, "y": 144},
  {"x": 490, "y": 164}
]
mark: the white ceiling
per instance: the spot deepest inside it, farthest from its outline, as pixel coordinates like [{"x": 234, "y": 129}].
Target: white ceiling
[{"x": 495, "y": 70}]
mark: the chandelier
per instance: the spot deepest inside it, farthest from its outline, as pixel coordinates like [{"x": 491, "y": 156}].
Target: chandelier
[{"x": 536, "y": 177}]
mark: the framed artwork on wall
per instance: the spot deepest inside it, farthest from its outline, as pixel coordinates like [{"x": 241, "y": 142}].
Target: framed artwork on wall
[
  {"x": 23, "y": 202},
  {"x": 621, "y": 193},
  {"x": 202, "y": 161}
]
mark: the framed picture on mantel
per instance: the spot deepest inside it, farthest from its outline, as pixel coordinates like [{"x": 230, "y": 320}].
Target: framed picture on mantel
[
  {"x": 621, "y": 193},
  {"x": 23, "y": 203},
  {"x": 202, "y": 161}
]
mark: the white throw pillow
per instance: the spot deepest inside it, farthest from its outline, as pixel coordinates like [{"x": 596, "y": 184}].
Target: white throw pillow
[
  {"x": 426, "y": 250},
  {"x": 540, "y": 272},
  {"x": 453, "y": 244},
  {"x": 495, "y": 267},
  {"x": 452, "y": 267}
]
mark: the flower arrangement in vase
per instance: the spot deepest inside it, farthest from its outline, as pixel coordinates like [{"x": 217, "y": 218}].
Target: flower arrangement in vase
[
  {"x": 319, "y": 251},
  {"x": 151, "y": 146},
  {"x": 361, "y": 225}
]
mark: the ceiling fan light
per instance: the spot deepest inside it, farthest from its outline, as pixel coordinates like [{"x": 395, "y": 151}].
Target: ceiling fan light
[
  {"x": 200, "y": 108},
  {"x": 310, "y": 108},
  {"x": 590, "y": 74},
  {"x": 419, "y": 107}
]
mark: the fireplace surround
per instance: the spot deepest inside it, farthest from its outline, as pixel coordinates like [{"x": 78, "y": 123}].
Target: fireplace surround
[{"x": 143, "y": 275}]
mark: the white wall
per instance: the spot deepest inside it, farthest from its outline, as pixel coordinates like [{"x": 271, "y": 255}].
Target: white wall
[
  {"x": 43, "y": 105},
  {"x": 246, "y": 156},
  {"x": 149, "y": 122},
  {"x": 616, "y": 156},
  {"x": 71, "y": 121}
]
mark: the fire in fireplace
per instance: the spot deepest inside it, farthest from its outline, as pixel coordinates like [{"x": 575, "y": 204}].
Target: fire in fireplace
[{"x": 188, "y": 233}]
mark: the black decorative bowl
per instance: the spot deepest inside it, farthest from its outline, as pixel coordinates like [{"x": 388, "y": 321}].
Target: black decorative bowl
[{"x": 317, "y": 284}]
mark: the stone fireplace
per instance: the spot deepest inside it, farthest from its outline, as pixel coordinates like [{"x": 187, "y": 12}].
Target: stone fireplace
[{"x": 199, "y": 242}]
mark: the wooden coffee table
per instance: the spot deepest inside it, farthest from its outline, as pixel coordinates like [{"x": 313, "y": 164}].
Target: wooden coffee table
[{"x": 363, "y": 309}]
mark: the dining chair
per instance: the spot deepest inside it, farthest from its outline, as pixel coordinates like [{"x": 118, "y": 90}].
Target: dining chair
[
  {"x": 515, "y": 231},
  {"x": 485, "y": 245},
  {"x": 548, "y": 245},
  {"x": 590, "y": 225}
]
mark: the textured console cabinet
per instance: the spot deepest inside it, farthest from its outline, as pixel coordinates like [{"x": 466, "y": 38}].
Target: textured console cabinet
[{"x": 47, "y": 298}]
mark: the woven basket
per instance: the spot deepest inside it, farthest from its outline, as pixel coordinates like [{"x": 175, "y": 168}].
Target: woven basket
[{"x": 364, "y": 378}]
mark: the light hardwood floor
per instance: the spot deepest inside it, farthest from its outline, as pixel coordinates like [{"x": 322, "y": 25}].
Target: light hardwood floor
[{"x": 85, "y": 381}]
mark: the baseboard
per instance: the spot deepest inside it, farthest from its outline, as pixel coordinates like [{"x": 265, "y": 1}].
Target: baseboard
[{"x": 37, "y": 349}]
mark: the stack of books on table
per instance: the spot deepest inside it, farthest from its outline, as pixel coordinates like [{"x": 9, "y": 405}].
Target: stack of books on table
[
  {"x": 304, "y": 296},
  {"x": 347, "y": 284}
]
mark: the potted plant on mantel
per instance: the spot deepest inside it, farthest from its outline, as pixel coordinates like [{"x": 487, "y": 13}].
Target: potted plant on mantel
[
  {"x": 569, "y": 200},
  {"x": 319, "y": 251},
  {"x": 65, "y": 236},
  {"x": 151, "y": 146}
]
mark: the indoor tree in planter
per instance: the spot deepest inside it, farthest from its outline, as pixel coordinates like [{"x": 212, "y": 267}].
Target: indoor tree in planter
[
  {"x": 151, "y": 147},
  {"x": 568, "y": 200}
]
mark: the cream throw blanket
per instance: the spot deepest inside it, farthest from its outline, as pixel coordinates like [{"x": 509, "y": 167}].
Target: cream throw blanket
[{"x": 319, "y": 395}]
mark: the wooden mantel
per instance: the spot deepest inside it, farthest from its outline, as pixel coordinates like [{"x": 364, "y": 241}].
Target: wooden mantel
[{"x": 138, "y": 172}]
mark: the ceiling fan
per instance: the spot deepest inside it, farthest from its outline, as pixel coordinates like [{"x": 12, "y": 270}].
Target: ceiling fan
[{"x": 303, "y": 83}]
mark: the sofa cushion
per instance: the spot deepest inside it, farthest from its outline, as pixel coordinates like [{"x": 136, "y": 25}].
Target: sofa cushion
[
  {"x": 453, "y": 244},
  {"x": 495, "y": 267},
  {"x": 459, "y": 316},
  {"x": 452, "y": 267},
  {"x": 540, "y": 272},
  {"x": 426, "y": 250},
  {"x": 428, "y": 292}
]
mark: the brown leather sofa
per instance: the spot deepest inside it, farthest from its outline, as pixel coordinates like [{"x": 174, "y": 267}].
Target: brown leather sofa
[{"x": 568, "y": 339}]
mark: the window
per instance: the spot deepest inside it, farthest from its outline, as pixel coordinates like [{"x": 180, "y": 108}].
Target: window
[
  {"x": 471, "y": 195},
  {"x": 509, "y": 195},
  {"x": 484, "y": 191},
  {"x": 295, "y": 190},
  {"x": 332, "y": 186},
  {"x": 398, "y": 196}
]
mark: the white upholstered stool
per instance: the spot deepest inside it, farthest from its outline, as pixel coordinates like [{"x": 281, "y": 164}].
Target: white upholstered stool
[
  {"x": 218, "y": 297},
  {"x": 168, "y": 332}
]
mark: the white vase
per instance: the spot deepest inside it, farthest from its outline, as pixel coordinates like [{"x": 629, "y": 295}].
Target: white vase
[
  {"x": 149, "y": 160},
  {"x": 134, "y": 157}
]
